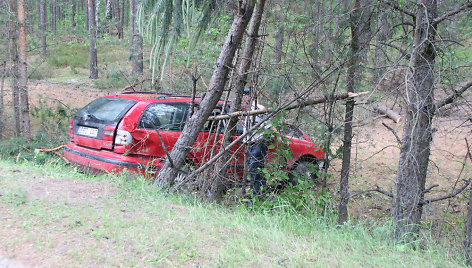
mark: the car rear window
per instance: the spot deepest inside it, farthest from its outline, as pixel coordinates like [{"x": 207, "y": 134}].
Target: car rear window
[{"x": 106, "y": 109}]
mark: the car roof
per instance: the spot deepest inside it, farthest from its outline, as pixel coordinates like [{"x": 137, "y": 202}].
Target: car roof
[{"x": 146, "y": 96}]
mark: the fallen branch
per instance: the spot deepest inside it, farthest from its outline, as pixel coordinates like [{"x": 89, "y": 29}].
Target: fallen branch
[
  {"x": 383, "y": 110},
  {"x": 52, "y": 149},
  {"x": 62, "y": 157}
]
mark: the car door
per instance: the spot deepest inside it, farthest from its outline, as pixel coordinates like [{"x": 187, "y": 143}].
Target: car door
[{"x": 159, "y": 126}]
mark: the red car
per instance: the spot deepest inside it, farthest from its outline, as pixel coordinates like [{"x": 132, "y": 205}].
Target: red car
[{"x": 129, "y": 130}]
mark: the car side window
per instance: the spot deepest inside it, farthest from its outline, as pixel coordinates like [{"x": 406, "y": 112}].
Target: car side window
[{"x": 164, "y": 116}]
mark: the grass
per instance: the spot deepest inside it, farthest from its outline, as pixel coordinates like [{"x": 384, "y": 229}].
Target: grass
[{"x": 134, "y": 224}]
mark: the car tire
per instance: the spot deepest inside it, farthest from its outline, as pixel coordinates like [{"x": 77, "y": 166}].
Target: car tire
[{"x": 304, "y": 170}]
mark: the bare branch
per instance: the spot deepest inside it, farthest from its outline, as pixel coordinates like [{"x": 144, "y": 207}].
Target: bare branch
[
  {"x": 451, "y": 98},
  {"x": 404, "y": 52},
  {"x": 427, "y": 190},
  {"x": 465, "y": 7},
  {"x": 395, "y": 5},
  {"x": 393, "y": 131},
  {"x": 451, "y": 195},
  {"x": 376, "y": 189}
]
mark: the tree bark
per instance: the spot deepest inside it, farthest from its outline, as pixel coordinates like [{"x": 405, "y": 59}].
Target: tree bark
[
  {"x": 107, "y": 15},
  {"x": 121, "y": 19},
  {"x": 97, "y": 16},
  {"x": 360, "y": 38},
  {"x": 167, "y": 174},
  {"x": 14, "y": 72},
  {"x": 2, "y": 93},
  {"x": 417, "y": 130},
  {"x": 72, "y": 13},
  {"x": 217, "y": 182},
  {"x": 87, "y": 19},
  {"x": 279, "y": 37},
  {"x": 25, "y": 119},
  {"x": 93, "y": 45},
  {"x": 136, "y": 40},
  {"x": 53, "y": 16},
  {"x": 43, "y": 27}
]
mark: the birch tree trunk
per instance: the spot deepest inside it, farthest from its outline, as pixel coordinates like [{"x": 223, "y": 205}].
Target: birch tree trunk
[
  {"x": 360, "y": 38},
  {"x": 25, "y": 119},
  {"x": 97, "y": 16},
  {"x": 182, "y": 147}
]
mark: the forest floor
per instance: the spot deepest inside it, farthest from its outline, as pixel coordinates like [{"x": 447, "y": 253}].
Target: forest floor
[{"x": 375, "y": 160}]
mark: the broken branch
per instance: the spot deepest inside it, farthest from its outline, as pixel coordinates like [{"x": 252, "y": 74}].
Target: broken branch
[{"x": 383, "y": 110}]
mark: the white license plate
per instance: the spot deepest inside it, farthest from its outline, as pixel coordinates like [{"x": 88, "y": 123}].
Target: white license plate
[{"x": 87, "y": 131}]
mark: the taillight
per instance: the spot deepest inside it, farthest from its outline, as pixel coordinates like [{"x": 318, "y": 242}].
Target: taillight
[
  {"x": 123, "y": 137},
  {"x": 71, "y": 130}
]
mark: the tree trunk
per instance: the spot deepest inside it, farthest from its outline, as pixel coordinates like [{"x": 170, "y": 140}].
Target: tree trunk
[
  {"x": 136, "y": 41},
  {"x": 121, "y": 20},
  {"x": 279, "y": 37},
  {"x": 194, "y": 125},
  {"x": 72, "y": 13},
  {"x": 417, "y": 130},
  {"x": 468, "y": 231},
  {"x": 217, "y": 182},
  {"x": 53, "y": 16},
  {"x": 93, "y": 45},
  {"x": 14, "y": 72},
  {"x": 25, "y": 119},
  {"x": 2, "y": 93},
  {"x": 43, "y": 28},
  {"x": 107, "y": 15},
  {"x": 97, "y": 16},
  {"x": 360, "y": 38},
  {"x": 87, "y": 19}
]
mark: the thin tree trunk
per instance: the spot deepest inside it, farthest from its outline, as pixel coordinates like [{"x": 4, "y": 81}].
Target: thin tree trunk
[
  {"x": 97, "y": 16},
  {"x": 417, "y": 130},
  {"x": 468, "y": 230},
  {"x": 136, "y": 39},
  {"x": 107, "y": 15},
  {"x": 121, "y": 20},
  {"x": 360, "y": 38},
  {"x": 53, "y": 16},
  {"x": 43, "y": 28},
  {"x": 93, "y": 45},
  {"x": 87, "y": 19},
  {"x": 72, "y": 13},
  {"x": 25, "y": 119},
  {"x": 14, "y": 72},
  {"x": 279, "y": 37},
  {"x": 194, "y": 125},
  {"x": 2, "y": 93}
]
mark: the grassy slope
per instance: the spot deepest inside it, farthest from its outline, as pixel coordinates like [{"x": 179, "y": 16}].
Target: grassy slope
[{"x": 127, "y": 222}]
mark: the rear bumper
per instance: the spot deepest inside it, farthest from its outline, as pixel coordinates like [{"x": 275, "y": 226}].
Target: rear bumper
[{"x": 103, "y": 160}]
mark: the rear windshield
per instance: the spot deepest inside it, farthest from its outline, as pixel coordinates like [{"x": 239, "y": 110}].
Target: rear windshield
[{"x": 106, "y": 109}]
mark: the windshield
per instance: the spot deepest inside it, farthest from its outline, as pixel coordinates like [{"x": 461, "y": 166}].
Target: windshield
[{"x": 106, "y": 109}]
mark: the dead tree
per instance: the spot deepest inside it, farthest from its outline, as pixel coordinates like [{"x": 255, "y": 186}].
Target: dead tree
[{"x": 193, "y": 126}]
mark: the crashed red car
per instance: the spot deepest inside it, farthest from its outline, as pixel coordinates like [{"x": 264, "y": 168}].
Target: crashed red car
[{"x": 128, "y": 131}]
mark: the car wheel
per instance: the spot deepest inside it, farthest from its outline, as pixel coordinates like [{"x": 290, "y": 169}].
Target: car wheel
[{"x": 305, "y": 170}]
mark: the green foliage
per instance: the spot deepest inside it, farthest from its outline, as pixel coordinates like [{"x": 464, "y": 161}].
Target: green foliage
[
  {"x": 113, "y": 79},
  {"x": 53, "y": 117},
  {"x": 75, "y": 55}
]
